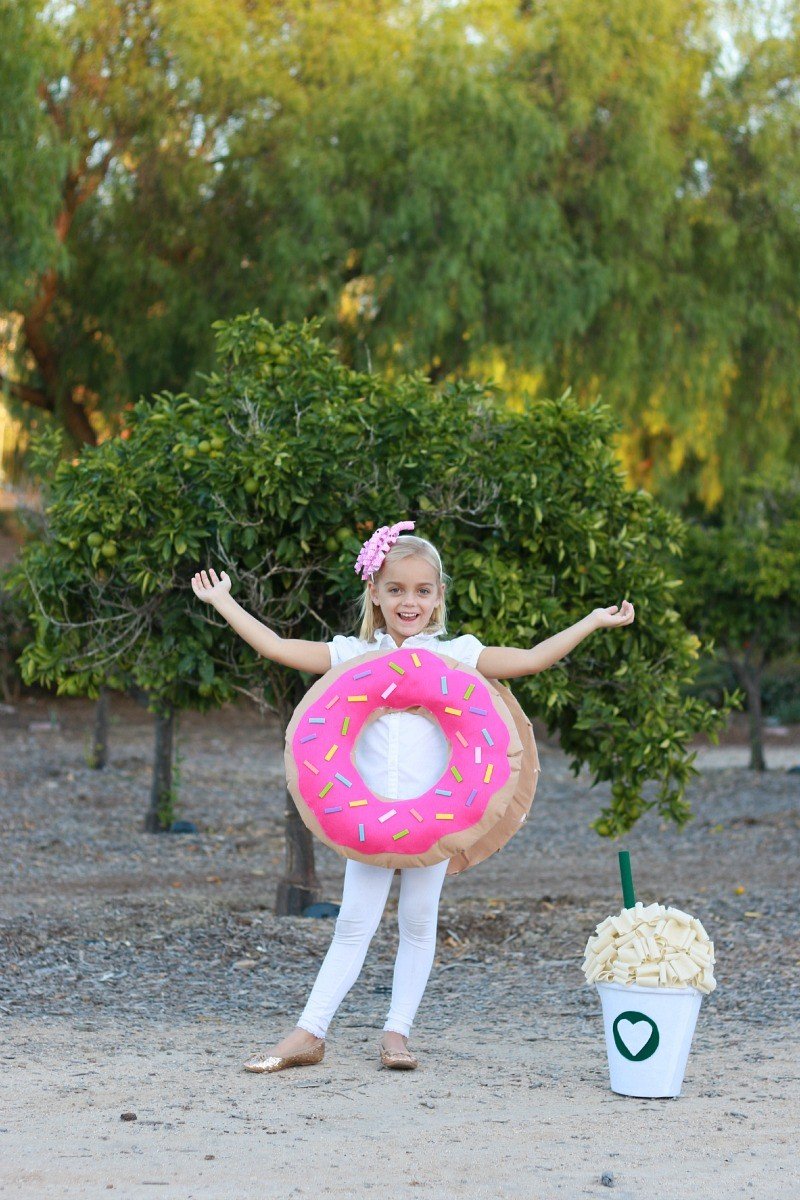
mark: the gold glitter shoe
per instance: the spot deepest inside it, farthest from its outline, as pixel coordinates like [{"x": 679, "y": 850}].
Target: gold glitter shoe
[
  {"x": 399, "y": 1060},
  {"x": 305, "y": 1058}
]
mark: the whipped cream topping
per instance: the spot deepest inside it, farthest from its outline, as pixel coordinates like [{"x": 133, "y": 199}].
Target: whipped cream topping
[{"x": 651, "y": 946}]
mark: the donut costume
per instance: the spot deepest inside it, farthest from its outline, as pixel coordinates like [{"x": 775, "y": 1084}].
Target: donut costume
[
  {"x": 479, "y": 801},
  {"x": 486, "y": 787}
]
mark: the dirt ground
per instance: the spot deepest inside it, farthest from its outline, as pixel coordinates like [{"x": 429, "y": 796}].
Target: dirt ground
[{"x": 139, "y": 971}]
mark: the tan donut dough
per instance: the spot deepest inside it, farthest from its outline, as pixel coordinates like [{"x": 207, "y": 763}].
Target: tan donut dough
[
  {"x": 504, "y": 811},
  {"x": 517, "y": 811}
]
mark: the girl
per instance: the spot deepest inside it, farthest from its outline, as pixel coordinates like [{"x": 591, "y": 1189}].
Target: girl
[{"x": 399, "y": 756}]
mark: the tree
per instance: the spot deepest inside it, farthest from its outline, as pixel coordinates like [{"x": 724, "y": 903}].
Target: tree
[
  {"x": 278, "y": 472},
  {"x": 133, "y": 104},
  {"x": 101, "y": 585},
  {"x": 742, "y": 583},
  {"x": 31, "y": 158},
  {"x": 15, "y": 633},
  {"x": 540, "y": 193}
]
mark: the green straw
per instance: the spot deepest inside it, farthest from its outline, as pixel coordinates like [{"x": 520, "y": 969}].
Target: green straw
[{"x": 628, "y": 894}]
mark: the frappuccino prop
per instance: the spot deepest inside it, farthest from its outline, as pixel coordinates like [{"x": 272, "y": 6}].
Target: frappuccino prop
[{"x": 652, "y": 966}]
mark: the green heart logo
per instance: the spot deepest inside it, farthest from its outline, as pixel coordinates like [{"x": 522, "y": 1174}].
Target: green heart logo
[{"x": 636, "y": 1047}]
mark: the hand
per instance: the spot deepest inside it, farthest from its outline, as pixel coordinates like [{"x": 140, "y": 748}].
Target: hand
[
  {"x": 211, "y": 592},
  {"x": 607, "y": 618}
]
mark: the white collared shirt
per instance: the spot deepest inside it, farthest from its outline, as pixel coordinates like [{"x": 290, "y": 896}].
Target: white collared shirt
[{"x": 402, "y": 754}]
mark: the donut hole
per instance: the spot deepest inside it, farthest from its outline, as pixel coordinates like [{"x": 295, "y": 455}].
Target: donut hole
[{"x": 431, "y": 754}]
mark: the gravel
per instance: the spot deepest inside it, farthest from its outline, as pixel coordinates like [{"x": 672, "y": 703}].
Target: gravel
[
  {"x": 98, "y": 915},
  {"x": 138, "y": 971}
]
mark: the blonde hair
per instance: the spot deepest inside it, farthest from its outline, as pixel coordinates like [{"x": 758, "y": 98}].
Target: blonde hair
[{"x": 406, "y": 546}]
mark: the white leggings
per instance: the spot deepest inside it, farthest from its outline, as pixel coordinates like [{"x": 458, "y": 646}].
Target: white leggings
[{"x": 364, "y": 895}]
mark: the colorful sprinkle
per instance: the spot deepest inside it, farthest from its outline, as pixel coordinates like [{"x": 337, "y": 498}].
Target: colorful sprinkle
[{"x": 456, "y": 774}]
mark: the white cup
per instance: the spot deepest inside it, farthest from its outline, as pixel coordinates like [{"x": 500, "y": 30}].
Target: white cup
[{"x": 649, "y": 1032}]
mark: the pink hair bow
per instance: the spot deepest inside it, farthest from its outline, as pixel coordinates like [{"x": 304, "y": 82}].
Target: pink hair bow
[{"x": 373, "y": 552}]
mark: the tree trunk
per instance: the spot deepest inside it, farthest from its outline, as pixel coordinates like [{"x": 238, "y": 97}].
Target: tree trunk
[
  {"x": 77, "y": 421},
  {"x": 161, "y": 787},
  {"x": 299, "y": 885},
  {"x": 100, "y": 731},
  {"x": 749, "y": 675}
]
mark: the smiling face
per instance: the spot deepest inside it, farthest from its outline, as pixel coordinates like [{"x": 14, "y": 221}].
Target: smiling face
[{"x": 407, "y": 592}]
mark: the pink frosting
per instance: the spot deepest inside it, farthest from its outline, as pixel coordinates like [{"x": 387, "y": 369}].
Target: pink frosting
[{"x": 480, "y": 750}]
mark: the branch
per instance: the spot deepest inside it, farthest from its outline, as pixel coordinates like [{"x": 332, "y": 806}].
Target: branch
[
  {"x": 23, "y": 391},
  {"x": 98, "y": 173},
  {"x": 146, "y": 609},
  {"x": 256, "y": 697},
  {"x": 52, "y": 108}
]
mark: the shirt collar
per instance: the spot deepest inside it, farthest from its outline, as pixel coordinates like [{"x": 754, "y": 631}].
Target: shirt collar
[{"x": 383, "y": 640}]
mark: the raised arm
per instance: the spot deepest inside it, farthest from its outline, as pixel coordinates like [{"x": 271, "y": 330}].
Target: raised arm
[
  {"x": 292, "y": 652},
  {"x": 510, "y": 662}
]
